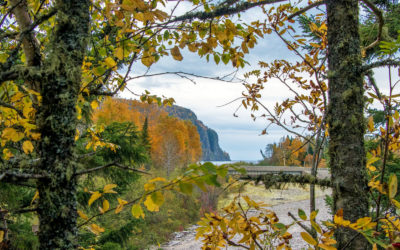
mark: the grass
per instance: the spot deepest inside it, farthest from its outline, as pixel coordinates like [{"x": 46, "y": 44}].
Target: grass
[{"x": 289, "y": 193}]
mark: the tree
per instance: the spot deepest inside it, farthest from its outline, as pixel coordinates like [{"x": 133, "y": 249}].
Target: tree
[
  {"x": 342, "y": 98},
  {"x": 60, "y": 57},
  {"x": 57, "y": 59}
]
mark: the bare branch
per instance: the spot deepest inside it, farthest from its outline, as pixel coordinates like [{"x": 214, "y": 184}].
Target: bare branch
[
  {"x": 8, "y": 12},
  {"x": 30, "y": 44},
  {"x": 301, "y": 11},
  {"x": 382, "y": 63},
  {"x": 24, "y": 210},
  {"x": 307, "y": 229},
  {"x": 180, "y": 74},
  {"x": 19, "y": 175},
  {"x": 113, "y": 164},
  {"x": 371, "y": 80},
  {"x": 222, "y": 11},
  {"x": 378, "y": 13},
  {"x": 278, "y": 122}
]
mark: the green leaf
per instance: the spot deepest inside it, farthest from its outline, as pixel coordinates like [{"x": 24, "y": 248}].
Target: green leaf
[
  {"x": 216, "y": 58},
  {"x": 392, "y": 186},
  {"x": 137, "y": 211},
  {"x": 158, "y": 198},
  {"x": 222, "y": 171},
  {"x": 225, "y": 58},
  {"x": 302, "y": 214},
  {"x": 186, "y": 188},
  {"x": 166, "y": 35},
  {"x": 212, "y": 180}
]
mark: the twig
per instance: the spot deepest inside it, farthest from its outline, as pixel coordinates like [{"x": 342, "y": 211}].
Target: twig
[
  {"x": 308, "y": 230},
  {"x": 301, "y": 11},
  {"x": 115, "y": 164},
  {"x": 378, "y": 13},
  {"x": 382, "y": 63}
]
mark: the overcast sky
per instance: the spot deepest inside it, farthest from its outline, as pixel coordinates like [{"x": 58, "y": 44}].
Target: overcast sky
[{"x": 239, "y": 136}]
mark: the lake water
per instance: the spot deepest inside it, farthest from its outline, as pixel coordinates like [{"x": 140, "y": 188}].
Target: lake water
[{"x": 218, "y": 163}]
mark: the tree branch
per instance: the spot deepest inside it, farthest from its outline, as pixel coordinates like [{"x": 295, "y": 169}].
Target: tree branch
[
  {"x": 113, "y": 164},
  {"x": 30, "y": 44},
  {"x": 271, "y": 180},
  {"x": 222, "y": 11},
  {"x": 301, "y": 11},
  {"x": 382, "y": 63},
  {"x": 307, "y": 229},
  {"x": 378, "y": 13},
  {"x": 20, "y": 175}
]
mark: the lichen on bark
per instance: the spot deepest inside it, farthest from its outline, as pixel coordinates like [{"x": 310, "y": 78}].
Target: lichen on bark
[
  {"x": 57, "y": 122},
  {"x": 346, "y": 119}
]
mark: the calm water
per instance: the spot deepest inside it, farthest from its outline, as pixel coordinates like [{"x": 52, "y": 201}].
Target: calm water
[{"x": 231, "y": 162}]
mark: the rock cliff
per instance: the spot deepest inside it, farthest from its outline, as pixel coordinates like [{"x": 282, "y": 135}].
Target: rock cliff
[{"x": 208, "y": 137}]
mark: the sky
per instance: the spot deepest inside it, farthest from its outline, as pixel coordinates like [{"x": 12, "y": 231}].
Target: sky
[{"x": 239, "y": 136}]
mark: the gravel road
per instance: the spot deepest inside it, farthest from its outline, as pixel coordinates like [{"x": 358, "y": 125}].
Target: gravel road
[{"x": 185, "y": 240}]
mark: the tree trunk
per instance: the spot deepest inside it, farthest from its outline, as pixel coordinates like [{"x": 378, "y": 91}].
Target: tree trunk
[
  {"x": 57, "y": 122},
  {"x": 346, "y": 119}
]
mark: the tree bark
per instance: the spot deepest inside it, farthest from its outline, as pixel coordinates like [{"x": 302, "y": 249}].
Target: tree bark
[
  {"x": 57, "y": 122},
  {"x": 345, "y": 118}
]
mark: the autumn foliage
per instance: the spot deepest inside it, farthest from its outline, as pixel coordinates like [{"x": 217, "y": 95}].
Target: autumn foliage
[{"x": 174, "y": 142}]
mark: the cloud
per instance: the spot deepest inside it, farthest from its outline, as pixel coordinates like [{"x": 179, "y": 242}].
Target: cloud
[{"x": 238, "y": 136}]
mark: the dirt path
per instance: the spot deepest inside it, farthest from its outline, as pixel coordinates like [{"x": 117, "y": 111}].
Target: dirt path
[{"x": 185, "y": 240}]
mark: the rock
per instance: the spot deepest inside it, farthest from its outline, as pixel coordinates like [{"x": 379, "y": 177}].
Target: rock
[{"x": 208, "y": 137}]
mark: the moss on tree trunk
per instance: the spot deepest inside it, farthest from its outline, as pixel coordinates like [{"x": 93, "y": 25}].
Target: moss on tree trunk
[
  {"x": 346, "y": 119},
  {"x": 57, "y": 122}
]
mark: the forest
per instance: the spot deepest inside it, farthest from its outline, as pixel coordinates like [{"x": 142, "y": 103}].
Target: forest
[{"x": 82, "y": 168}]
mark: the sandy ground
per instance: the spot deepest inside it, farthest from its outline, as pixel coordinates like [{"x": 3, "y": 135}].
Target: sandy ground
[{"x": 185, "y": 240}]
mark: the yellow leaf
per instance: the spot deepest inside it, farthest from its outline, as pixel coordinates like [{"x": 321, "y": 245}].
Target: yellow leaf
[
  {"x": 315, "y": 45},
  {"x": 396, "y": 203},
  {"x": 148, "y": 60},
  {"x": 396, "y": 115},
  {"x": 150, "y": 205},
  {"x": 7, "y": 154},
  {"x": 94, "y": 197},
  {"x": 176, "y": 53},
  {"x": 137, "y": 211},
  {"x": 392, "y": 186},
  {"x": 35, "y": 197},
  {"x": 371, "y": 127},
  {"x": 110, "y": 62},
  {"x": 119, "y": 208},
  {"x": 122, "y": 202},
  {"x": 12, "y": 134},
  {"x": 326, "y": 247},
  {"x": 149, "y": 186},
  {"x": 158, "y": 179},
  {"x": 106, "y": 205},
  {"x": 1, "y": 235},
  {"x": 96, "y": 229},
  {"x": 108, "y": 189},
  {"x": 308, "y": 238},
  {"x": 35, "y": 136},
  {"x": 94, "y": 104},
  {"x": 82, "y": 215},
  {"x": 27, "y": 147},
  {"x": 119, "y": 53}
]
